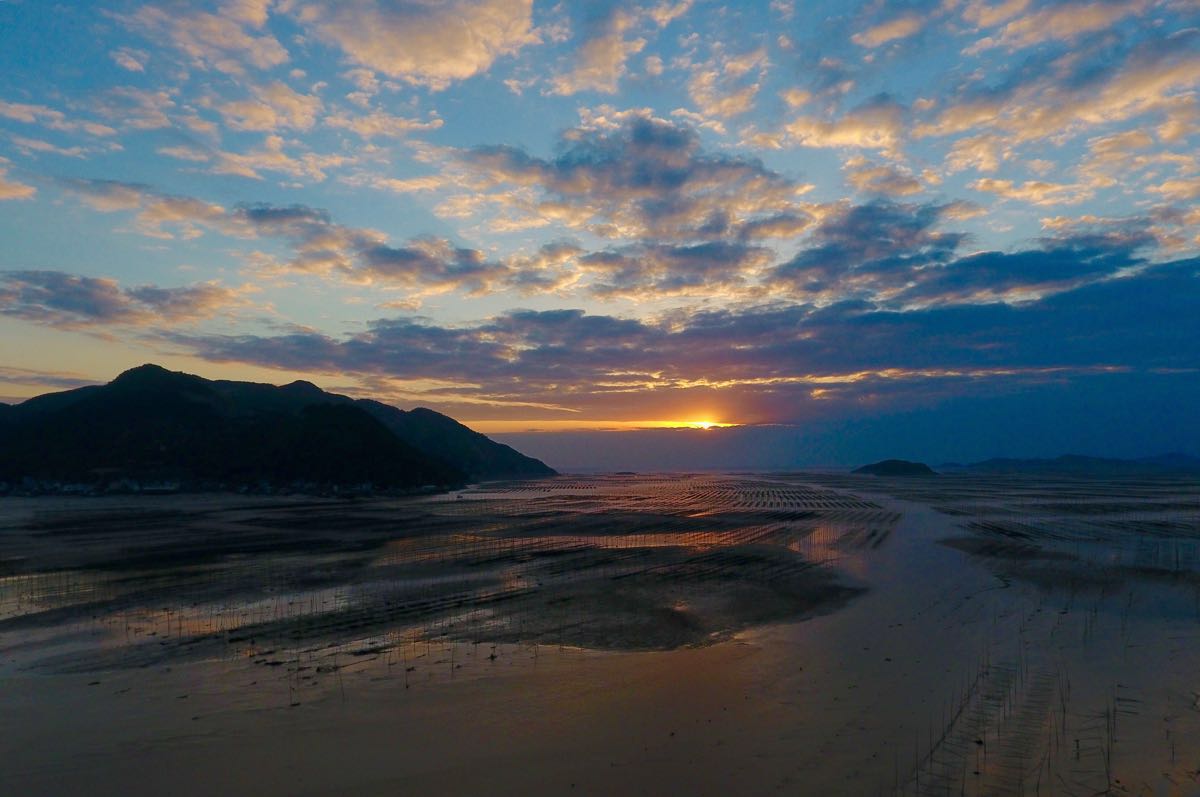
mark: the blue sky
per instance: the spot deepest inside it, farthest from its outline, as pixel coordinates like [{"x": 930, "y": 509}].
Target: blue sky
[{"x": 612, "y": 215}]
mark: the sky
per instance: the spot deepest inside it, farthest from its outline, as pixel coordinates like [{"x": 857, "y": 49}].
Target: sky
[{"x": 947, "y": 230}]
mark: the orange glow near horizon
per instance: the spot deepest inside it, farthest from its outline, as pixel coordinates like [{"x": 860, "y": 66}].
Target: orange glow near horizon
[{"x": 588, "y": 425}]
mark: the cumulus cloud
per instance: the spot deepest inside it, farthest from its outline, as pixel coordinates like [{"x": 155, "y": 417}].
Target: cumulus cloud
[
  {"x": 708, "y": 269},
  {"x": 603, "y": 55},
  {"x": 273, "y": 106},
  {"x": 636, "y": 177},
  {"x": 362, "y": 256},
  {"x": 1179, "y": 189},
  {"x": 228, "y": 40},
  {"x": 869, "y": 251},
  {"x": 1076, "y": 94},
  {"x": 872, "y": 178},
  {"x": 878, "y": 125},
  {"x": 982, "y": 153},
  {"x": 665, "y": 13},
  {"x": 425, "y": 43},
  {"x": 70, "y": 301},
  {"x": 726, "y": 85}
]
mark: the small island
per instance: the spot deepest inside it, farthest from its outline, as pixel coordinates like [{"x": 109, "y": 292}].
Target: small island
[{"x": 896, "y": 467}]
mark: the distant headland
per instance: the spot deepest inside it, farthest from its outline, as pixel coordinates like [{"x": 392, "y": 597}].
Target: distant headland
[{"x": 896, "y": 467}]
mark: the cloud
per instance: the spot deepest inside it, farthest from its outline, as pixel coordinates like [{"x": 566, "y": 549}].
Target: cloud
[
  {"x": 270, "y": 157},
  {"x": 274, "y": 106},
  {"x": 665, "y": 13},
  {"x": 54, "y": 380},
  {"x": 13, "y": 189},
  {"x": 867, "y": 251},
  {"x": 50, "y": 118},
  {"x": 1075, "y": 94},
  {"x": 32, "y": 145},
  {"x": 900, "y": 27},
  {"x": 985, "y": 15},
  {"x": 764, "y": 358},
  {"x": 1059, "y": 22},
  {"x": 1179, "y": 189},
  {"x": 252, "y": 13},
  {"x": 70, "y": 301},
  {"x": 602, "y": 56},
  {"x": 795, "y": 97},
  {"x": 877, "y": 125},
  {"x": 1063, "y": 264},
  {"x": 870, "y": 178},
  {"x": 899, "y": 256},
  {"x": 425, "y": 43},
  {"x": 633, "y": 176},
  {"x": 154, "y": 213},
  {"x": 130, "y": 59},
  {"x": 227, "y": 41},
  {"x": 726, "y": 85},
  {"x": 650, "y": 272},
  {"x": 136, "y": 109},
  {"x": 379, "y": 124},
  {"x": 319, "y": 246},
  {"x": 431, "y": 264},
  {"x": 1036, "y": 192},
  {"x": 552, "y": 268},
  {"x": 982, "y": 153}
]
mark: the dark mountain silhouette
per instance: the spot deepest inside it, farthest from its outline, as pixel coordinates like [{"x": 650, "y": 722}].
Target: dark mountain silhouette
[
  {"x": 478, "y": 455},
  {"x": 153, "y": 424},
  {"x": 1077, "y": 465},
  {"x": 896, "y": 467}
]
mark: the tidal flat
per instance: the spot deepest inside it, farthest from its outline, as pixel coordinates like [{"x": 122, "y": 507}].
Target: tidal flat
[{"x": 622, "y": 634}]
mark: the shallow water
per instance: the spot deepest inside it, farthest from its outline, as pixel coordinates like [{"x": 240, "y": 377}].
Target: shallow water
[{"x": 633, "y": 634}]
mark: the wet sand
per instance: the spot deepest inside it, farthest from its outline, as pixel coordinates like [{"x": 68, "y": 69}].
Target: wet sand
[{"x": 792, "y": 634}]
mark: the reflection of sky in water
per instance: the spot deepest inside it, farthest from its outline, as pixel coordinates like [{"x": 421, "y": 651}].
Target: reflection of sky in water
[{"x": 945, "y": 647}]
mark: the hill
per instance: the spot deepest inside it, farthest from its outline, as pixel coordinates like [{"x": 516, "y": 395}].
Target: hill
[
  {"x": 1076, "y": 465},
  {"x": 154, "y": 425},
  {"x": 896, "y": 467}
]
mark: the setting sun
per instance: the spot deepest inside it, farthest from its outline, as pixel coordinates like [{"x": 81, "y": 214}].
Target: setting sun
[{"x": 509, "y": 426}]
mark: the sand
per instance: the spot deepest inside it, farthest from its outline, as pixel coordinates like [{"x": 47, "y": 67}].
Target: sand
[{"x": 691, "y": 634}]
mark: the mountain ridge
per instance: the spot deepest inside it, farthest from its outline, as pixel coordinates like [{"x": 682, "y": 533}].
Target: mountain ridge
[
  {"x": 895, "y": 467},
  {"x": 150, "y": 423},
  {"x": 1066, "y": 464}
]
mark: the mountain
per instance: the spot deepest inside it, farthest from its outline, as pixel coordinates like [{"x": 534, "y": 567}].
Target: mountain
[
  {"x": 437, "y": 435},
  {"x": 478, "y": 455},
  {"x": 152, "y": 424},
  {"x": 1077, "y": 465},
  {"x": 896, "y": 467}
]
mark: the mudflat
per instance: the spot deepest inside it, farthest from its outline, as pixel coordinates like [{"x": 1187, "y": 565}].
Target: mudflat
[{"x": 675, "y": 633}]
